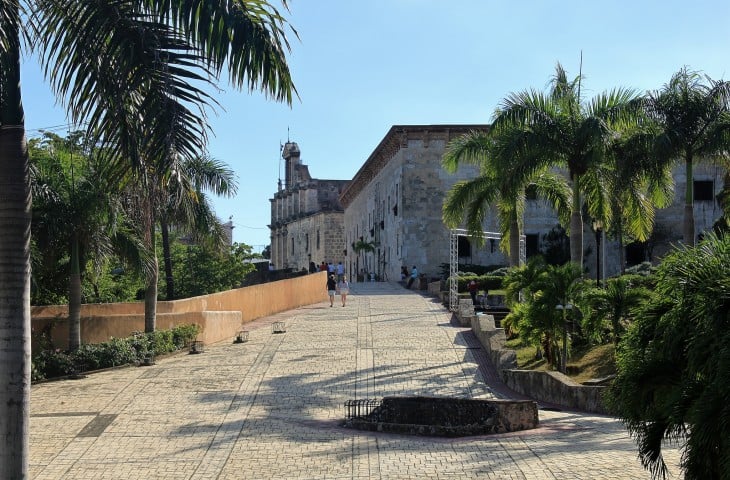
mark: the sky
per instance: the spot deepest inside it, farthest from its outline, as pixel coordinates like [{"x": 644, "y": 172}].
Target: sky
[{"x": 362, "y": 67}]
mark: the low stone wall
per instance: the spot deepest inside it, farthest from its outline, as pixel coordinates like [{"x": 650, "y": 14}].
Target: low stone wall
[
  {"x": 448, "y": 417},
  {"x": 220, "y": 315},
  {"x": 549, "y": 387},
  {"x": 556, "y": 388}
]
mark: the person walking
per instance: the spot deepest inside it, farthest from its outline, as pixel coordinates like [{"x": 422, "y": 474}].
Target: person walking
[
  {"x": 414, "y": 276},
  {"x": 340, "y": 272},
  {"x": 344, "y": 290},
  {"x": 331, "y": 288}
]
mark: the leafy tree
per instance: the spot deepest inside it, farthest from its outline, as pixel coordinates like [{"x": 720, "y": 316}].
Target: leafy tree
[
  {"x": 693, "y": 112},
  {"x": 558, "y": 129},
  {"x": 498, "y": 183},
  {"x": 673, "y": 378},
  {"x": 125, "y": 68},
  {"x": 203, "y": 269}
]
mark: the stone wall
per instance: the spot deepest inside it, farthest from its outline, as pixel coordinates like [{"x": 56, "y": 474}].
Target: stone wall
[
  {"x": 220, "y": 314},
  {"x": 449, "y": 417},
  {"x": 549, "y": 387}
]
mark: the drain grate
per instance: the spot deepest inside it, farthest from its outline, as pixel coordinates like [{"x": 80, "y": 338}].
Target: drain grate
[{"x": 278, "y": 327}]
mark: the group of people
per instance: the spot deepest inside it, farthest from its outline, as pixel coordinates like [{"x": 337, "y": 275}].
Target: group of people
[
  {"x": 412, "y": 276},
  {"x": 334, "y": 286}
]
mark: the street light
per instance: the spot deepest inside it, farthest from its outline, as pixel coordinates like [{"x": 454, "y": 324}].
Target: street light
[
  {"x": 563, "y": 308},
  {"x": 597, "y": 228}
]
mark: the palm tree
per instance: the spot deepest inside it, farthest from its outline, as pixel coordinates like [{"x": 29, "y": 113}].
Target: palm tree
[
  {"x": 612, "y": 306},
  {"x": 128, "y": 69},
  {"x": 632, "y": 184},
  {"x": 549, "y": 293},
  {"x": 187, "y": 206},
  {"x": 560, "y": 130},
  {"x": 496, "y": 183},
  {"x": 694, "y": 114}
]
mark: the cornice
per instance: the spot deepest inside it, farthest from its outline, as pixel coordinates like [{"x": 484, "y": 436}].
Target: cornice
[{"x": 396, "y": 139}]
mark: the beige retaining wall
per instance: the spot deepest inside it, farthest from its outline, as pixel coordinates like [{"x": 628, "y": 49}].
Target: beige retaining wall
[{"x": 220, "y": 315}]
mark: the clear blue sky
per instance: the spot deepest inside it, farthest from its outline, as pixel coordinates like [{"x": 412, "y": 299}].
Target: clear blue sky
[{"x": 361, "y": 67}]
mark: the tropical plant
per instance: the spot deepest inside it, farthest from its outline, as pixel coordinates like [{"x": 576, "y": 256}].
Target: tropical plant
[
  {"x": 496, "y": 183},
  {"x": 610, "y": 309},
  {"x": 546, "y": 311},
  {"x": 77, "y": 216},
  {"x": 673, "y": 365},
  {"x": 128, "y": 69},
  {"x": 693, "y": 112},
  {"x": 558, "y": 129}
]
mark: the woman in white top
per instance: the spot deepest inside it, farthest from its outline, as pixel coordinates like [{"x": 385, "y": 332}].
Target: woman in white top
[{"x": 344, "y": 290}]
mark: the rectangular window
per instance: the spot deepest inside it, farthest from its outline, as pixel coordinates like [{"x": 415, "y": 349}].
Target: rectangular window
[
  {"x": 532, "y": 244},
  {"x": 317, "y": 239},
  {"x": 704, "y": 190}
]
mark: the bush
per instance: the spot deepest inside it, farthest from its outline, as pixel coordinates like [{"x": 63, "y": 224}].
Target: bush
[
  {"x": 484, "y": 282},
  {"x": 115, "y": 352}
]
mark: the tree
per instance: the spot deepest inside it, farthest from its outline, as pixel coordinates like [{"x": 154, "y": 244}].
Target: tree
[
  {"x": 75, "y": 214},
  {"x": 544, "y": 314},
  {"x": 693, "y": 112},
  {"x": 496, "y": 183},
  {"x": 186, "y": 206},
  {"x": 611, "y": 308},
  {"x": 124, "y": 68},
  {"x": 673, "y": 365},
  {"x": 560, "y": 130}
]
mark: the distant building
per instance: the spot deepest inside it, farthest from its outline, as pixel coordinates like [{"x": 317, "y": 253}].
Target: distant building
[
  {"x": 393, "y": 205},
  {"x": 306, "y": 217}
]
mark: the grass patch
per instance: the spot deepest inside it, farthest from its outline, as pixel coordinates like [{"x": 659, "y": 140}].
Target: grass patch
[{"x": 585, "y": 364}]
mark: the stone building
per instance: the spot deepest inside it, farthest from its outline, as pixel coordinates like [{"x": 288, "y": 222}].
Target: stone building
[
  {"x": 306, "y": 217},
  {"x": 393, "y": 205}
]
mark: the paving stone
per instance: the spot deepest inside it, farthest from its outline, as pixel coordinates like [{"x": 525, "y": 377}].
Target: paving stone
[{"x": 271, "y": 408}]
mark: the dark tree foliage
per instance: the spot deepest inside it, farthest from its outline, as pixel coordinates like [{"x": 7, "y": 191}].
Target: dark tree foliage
[{"x": 673, "y": 380}]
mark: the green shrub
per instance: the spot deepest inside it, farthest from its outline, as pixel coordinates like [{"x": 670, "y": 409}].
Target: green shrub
[
  {"x": 115, "y": 352},
  {"x": 484, "y": 282}
]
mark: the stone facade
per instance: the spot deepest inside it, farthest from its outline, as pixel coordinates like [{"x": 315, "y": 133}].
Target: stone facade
[
  {"x": 306, "y": 217},
  {"x": 394, "y": 202}
]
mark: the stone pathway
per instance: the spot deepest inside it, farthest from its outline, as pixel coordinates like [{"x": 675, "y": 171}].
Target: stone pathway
[{"x": 270, "y": 408}]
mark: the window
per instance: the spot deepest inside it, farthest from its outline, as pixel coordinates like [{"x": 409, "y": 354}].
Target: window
[
  {"x": 317, "y": 239},
  {"x": 292, "y": 245},
  {"x": 532, "y": 244},
  {"x": 306, "y": 242},
  {"x": 463, "y": 247},
  {"x": 704, "y": 190}
]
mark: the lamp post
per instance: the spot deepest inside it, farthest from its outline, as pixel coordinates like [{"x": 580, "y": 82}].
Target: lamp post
[
  {"x": 564, "y": 360},
  {"x": 597, "y": 228}
]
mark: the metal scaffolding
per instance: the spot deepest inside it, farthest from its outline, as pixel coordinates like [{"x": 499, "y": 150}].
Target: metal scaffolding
[{"x": 454, "y": 260}]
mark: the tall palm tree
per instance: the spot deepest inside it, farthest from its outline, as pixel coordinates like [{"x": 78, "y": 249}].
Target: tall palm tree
[
  {"x": 634, "y": 183},
  {"x": 129, "y": 68},
  {"x": 496, "y": 183},
  {"x": 693, "y": 112},
  {"x": 558, "y": 129},
  {"x": 186, "y": 205}
]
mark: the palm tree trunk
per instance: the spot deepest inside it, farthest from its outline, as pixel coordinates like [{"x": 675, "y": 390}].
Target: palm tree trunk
[
  {"x": 576, "y": 226},
  {"x": 514, "y": 242},
  {"x": 150, "y": 299},
  {"x": 167, "y": 259},
  {"x": 74, "y": 297},
  {"x": 15, "y": 203},
  {"x": 688, "y": 230}
]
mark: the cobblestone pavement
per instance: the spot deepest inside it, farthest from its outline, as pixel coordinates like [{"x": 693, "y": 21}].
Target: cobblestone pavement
[{"x": 272, "y": 407}]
